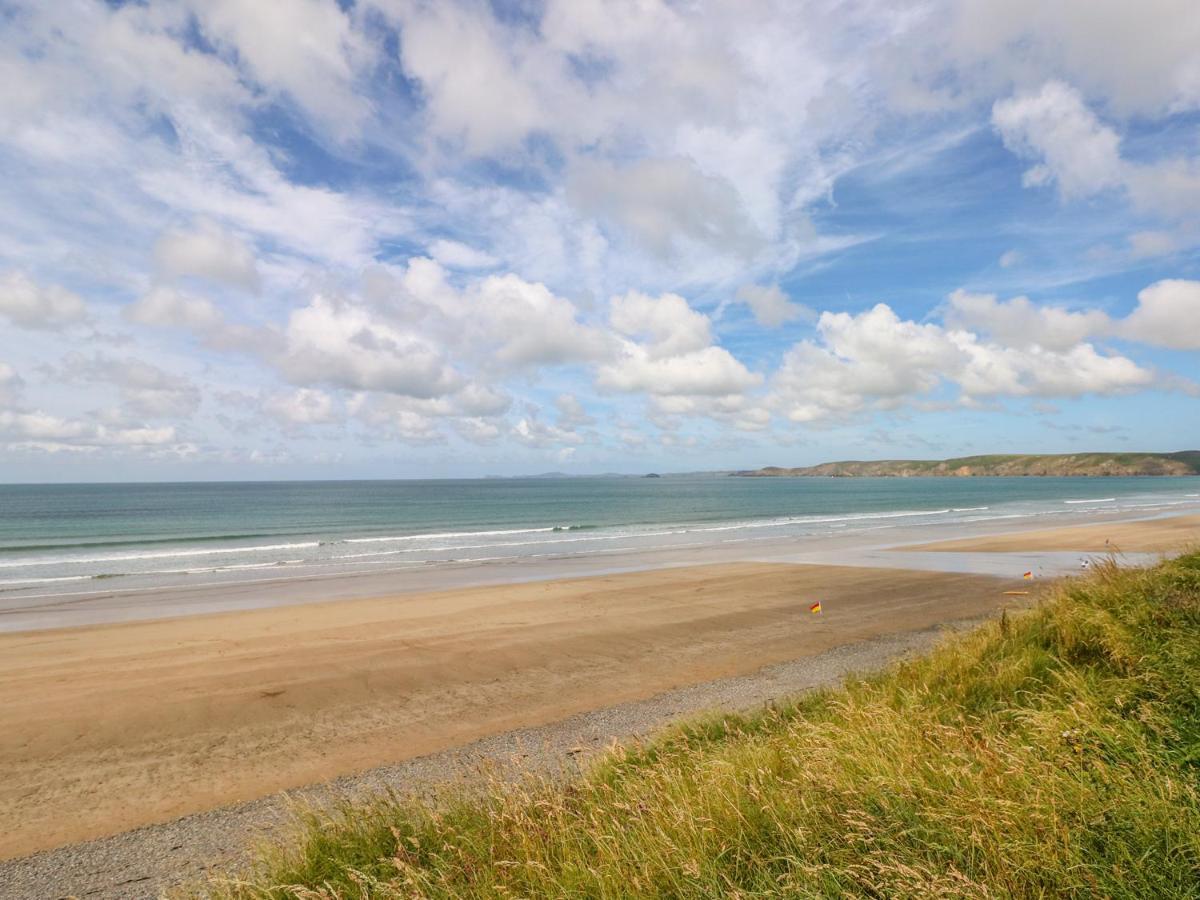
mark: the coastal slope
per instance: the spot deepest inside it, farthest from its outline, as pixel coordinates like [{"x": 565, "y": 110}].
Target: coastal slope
[
  {"x": 1186, "y": 462},
  {"x": 1047, "y": 754}
]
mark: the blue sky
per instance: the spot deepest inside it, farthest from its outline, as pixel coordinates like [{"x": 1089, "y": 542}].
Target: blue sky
[{"x": 405, "y": 239}]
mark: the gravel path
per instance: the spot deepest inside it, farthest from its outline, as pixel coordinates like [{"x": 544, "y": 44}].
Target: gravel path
[{"x": 148, "y": 861}]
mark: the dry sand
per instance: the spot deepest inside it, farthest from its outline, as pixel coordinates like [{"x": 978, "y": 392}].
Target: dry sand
[
  {"x": 1167, "y": 535},
  {"x": 144, "y": 863},
  {"x": 107, "y": 728}
]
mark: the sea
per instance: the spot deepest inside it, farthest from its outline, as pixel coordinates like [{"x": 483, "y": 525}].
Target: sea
[{"x": 83, "y": 538}]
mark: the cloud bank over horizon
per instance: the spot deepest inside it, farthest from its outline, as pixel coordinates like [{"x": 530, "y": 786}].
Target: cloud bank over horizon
[{"x": 402, "y": 238}]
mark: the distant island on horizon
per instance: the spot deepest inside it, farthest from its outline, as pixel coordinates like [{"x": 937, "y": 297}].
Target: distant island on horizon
[{"x": 1089, "y": 465}]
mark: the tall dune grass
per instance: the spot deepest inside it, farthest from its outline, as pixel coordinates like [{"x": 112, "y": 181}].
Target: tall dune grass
[{"x": 1047, "y": 754}]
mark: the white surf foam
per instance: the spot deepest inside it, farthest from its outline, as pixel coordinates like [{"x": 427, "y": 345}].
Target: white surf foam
[
  {"x": 448, "y": 535},
  {"x": 158, "y": 554}
]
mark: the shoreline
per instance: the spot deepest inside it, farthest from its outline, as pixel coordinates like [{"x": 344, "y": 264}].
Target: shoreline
[
  {"x": 130, "y": 717},
  {"x": 140, "y": 864},
  {"x": 22, "y": 613},
  {"x": 1172, "y": 535}
]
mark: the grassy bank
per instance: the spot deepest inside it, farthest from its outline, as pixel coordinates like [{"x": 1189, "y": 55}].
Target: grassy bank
[{"x": 1054, "y": 753}]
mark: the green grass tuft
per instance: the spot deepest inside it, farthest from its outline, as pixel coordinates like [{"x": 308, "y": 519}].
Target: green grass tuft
[{"x": 1055, "y": 753}]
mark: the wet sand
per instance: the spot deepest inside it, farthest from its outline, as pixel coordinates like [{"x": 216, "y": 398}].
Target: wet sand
[
  {"x": 110, "y": 727},
  {"x": 1163, "y": 535}
]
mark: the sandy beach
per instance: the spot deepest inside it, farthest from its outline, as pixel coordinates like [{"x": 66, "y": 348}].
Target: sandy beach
[
  {"x": 107, "y": 728},
  {"x": 1164, "y": 535},
  {"x": 771, "y": 430},
  {"x": 143, "y": 863},
  {"x": 200, "y": 720}
]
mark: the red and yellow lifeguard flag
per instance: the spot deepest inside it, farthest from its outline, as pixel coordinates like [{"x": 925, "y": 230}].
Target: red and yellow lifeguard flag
[
  {"x": 815, "y": 608},
  {"x": 1027, "y": 575}
]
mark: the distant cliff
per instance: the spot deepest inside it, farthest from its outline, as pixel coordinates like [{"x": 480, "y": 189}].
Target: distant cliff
[{"x": 1186, "y": 462}]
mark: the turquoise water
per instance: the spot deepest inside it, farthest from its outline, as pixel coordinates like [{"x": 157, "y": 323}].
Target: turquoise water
[{"x": 55, "y": 537}]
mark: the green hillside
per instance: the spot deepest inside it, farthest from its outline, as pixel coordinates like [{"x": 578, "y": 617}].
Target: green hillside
[{"x": 1185, "y": 462}]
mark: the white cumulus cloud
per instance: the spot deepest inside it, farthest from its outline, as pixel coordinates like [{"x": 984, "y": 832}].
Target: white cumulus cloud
[
  {"x": 167, "y": 307},
  {"x": 529, "y": 325},
  {"x": 771, "y": 306},
  {"x": 1082, "y": 156},
  {"x": 308, "y": 49},
  {"x": 1077, "y": 152},
  {"x": 207, "y": 251},
  {"x": 667, "y": 204},
  {"x": 1021, "y": 323},
  {"x": 304, "y": 406},
  {"x": 1167, "y": 314},
  {"x": 876, "y": 360},
  {"x": 668, "y": 325},
  {"x": 675, "y": 356},
  {"x": 457, "y": 255},
  {"x": 339, "y": 342},
  {"x": 28, "y": 304}
]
